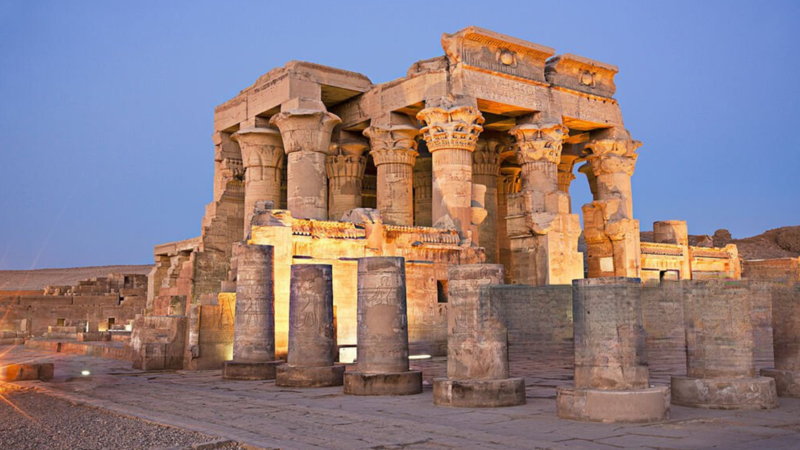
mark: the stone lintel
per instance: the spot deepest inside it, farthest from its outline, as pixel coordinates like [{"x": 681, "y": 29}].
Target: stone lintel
[{"x": 582, "y": 74}]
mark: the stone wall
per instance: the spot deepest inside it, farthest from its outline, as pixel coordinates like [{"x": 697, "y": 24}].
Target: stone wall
[{"x": 779, "y": 269}]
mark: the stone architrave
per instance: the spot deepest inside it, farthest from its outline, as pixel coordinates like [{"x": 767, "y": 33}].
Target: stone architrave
[
  {"x": 720, "y": 349},
  {"x": 611, "y": 232},
  {"x": 477, "y": 344},
  {"x": 611, "y": 375},
  {"x": 543, "y": 235},
  {"x": 345, "y": 171},
  {"x": 312, "y": 343},
  {"x": 262, "y": 159},
  {"x": 382, "y": 361},
  {"x": 423, "y": 184},
  {"x": 394, "y": 151},
  {"x": 451, "y": 135},
  {"x": 306, "y": 137},
  {"x": 254, "y": 320},
  {"x": 485, "y": 170},
  {"x": 786, "y": 340}
]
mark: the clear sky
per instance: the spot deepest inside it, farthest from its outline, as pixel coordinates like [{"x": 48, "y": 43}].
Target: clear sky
[{"x": 106, "y": 108}]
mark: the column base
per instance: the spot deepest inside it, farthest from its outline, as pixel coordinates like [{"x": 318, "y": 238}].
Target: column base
[
  {"x": 787, "y": 382},
  {"x": 479, "y": 393},
  {"x": 27, "y": 372},
  {"x": 295, "y": 376},
  {"x": 398, "y": 383},
  {"x": 232, "y": 370},
  {"x": 724, "y": 393},
  {"x": 595, "y": 405}
]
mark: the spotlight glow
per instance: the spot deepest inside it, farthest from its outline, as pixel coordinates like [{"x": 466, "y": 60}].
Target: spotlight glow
[
  {"x": 419, "y": 357},
  {"x": 85, "y": 373}
]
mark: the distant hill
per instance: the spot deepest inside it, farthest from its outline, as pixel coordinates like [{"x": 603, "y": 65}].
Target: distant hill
[
  {"x": 29, "y": 280},
  {"x": 777, "y": 243}
]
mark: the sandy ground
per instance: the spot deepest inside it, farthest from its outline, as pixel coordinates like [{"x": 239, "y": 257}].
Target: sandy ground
[{"x": 11, "y": 280}]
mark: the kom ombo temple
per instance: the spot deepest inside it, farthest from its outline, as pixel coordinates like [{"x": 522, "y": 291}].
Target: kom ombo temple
[{"x": 466, "y": 159}]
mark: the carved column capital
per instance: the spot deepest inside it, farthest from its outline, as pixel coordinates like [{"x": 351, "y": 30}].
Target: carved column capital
[
  {"x": 486, "y": 157},
  {"x": 451, "y": 128},
  {"x": 539, "y": 142},
  {"x": 261, "y": 147},
  {"x": 392, "y": 137},
  {"x": 306, "y": 129},
  {"x": 610, "y": 156}
]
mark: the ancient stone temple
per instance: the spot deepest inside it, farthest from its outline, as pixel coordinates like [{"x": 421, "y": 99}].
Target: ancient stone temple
[{"x": 466, "y": 159}]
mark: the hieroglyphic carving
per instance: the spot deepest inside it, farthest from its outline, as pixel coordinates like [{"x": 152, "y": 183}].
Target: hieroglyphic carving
[{"x": 254, "y": 328}]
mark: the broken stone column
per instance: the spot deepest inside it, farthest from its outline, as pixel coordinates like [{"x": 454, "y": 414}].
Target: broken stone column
[
  {"x": 720, "y": 350},
  {"x": 423, "y": 183},
  {"x": 786, "y": 340},
  {"x": 612, "y": 234},
  {"x": 675, "y": 232},
  {"x": 312, "y": 343},
  {"x": 543, "y": 235},
  {"x": 306, "y": 137},
  {"x": 254, "y": 322},
  {"x": 394, "y": 151},
  {"x": 382, "y": 361},
  {"x": 345, "y": 171},
  {"x": 262, "y": 159},
  {"x": 451, "y": 134},
  {"x": 485, "y": 170},
  {"x": 611, "y": 375},
  {"x": 477, "y": 344}
]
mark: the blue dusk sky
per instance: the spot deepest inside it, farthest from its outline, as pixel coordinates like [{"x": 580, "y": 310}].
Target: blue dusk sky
[{"x": 106, "y": 108}]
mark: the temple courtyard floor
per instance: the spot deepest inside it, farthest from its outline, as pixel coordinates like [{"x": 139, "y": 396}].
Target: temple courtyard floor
[{"x": 115, "y": 406}]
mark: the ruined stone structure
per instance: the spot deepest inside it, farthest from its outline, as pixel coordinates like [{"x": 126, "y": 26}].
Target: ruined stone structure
[
  {"x": 466, "y": 159},
  {"x": 786, "y": 326}
]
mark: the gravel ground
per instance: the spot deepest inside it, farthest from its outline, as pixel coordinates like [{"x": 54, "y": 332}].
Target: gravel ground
[{"x": 39, "y": 421}]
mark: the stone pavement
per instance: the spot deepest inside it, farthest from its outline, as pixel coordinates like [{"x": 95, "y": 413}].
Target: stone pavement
[{"x": 261, "y": 414}]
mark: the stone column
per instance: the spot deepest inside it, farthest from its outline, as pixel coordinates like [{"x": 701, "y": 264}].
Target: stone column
[
  {"x": 485, "y": 170},
  {"x": 312, "y": 343},
  {"x": 345, "y": 171},
  {"x": 477, "y": 344},
  {"x": 786, "y": 340},
  {"x": 254, "y": 322},
  {"x": 612, "y": 235},
  {"x": 611, "y": 376},
  {"x": 394, "y": 151},
  {"x": 262, "y": 158},
  {"x": 720, "y": 349},
  {"x": 451, "y": 134},
  {"x": 565, "y": 175},
  {"x": 507, "y": 184},
  {"x": 542, "y": 232},
  {"x": 423, "y": 184},
  {"x": 586, "y": 169},
  {"x": 306, "y": 137},
  {"x": 382, "y": 361}
]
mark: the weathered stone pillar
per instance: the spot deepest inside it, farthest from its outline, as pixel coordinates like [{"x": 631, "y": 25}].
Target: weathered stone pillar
[
  {"x": 786, "y": 340},
  {"x": 508, "y": 183},
  {"x": 586, "y": 169},
  {"x": 485, "y": 170},
  {"x": 611, "y": 376},
  {"x": 477, "y": 344},
  {"x": 254, "y": 322},
  {"x": 612, "y": 235},
  {"x": 394, "y": 151},
  {"x": 312, "y": 343},
  {"x": 451, "y": 134},
  {"x": 382, "y": 362},
  {"x": 565, "y": 175},
  {"x": 423, "y": 184},
  {"x": 720, "y": 349},
  {"x": 306, "y": 137},
  {"x": 345, "y": 171},
  {"x": 262, "y": 158},
  {"x": 542, "y": 232}
]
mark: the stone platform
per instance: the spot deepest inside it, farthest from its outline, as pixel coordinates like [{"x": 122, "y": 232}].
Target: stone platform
[
  {"x": 596, "y": 405},
  {"x": 725, "y": 393},
  {"x": 787, "y": 382},
  {"x": 398, "y": 383},
  {"x": 232, "y": 370},
  {"x": 479, "y": 393},
  {"x": 290, "y": 376}
]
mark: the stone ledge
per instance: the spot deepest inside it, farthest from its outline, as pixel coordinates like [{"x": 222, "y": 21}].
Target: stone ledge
[
  {"x": 398, "y": 383},
  {"x": 787, "y": 382},
  {"x": 631, "y": 406},
  {"x": 294, "y": 376},
  {"x": 232, "y": 370},
  {"x": 28, "y": 372},
  {"x": 479, "y": 393},
  {"x": 724, "y": 393}
]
